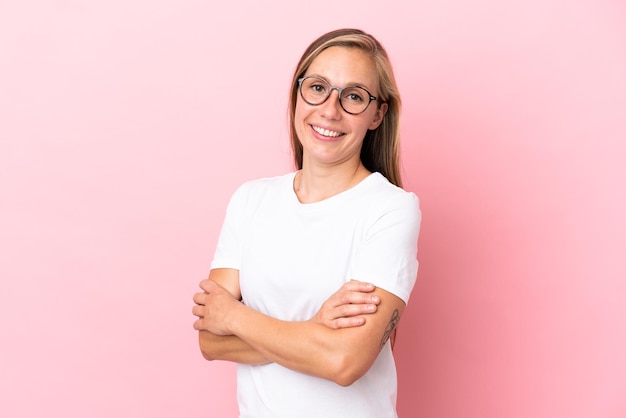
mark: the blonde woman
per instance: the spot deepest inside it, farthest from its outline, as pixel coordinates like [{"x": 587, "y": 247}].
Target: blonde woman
[{"x": 313, "y": 269}]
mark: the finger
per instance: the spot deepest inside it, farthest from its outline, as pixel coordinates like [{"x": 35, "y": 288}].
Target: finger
[
  {"x": 347, "y": 311},
  {"x": 204, "y": 283},
  {"x": 199, "y": 298},
  {"x": 197, "y": 325},
  {"x": 358, "y": 286},
  {"x": 345, "y": 298},
  {"x": 351, "y": 322},
  {"x": 344, "y": 311},
  {"x": 198, "y": 311},
  {"x": 209, "y": 286}
]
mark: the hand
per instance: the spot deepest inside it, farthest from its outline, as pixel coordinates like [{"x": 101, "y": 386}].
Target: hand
[
  {"x": 344, "y": 308},
  {"x": 213, "y": 308}
]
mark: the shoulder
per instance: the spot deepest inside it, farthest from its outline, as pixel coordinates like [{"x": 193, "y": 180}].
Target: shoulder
[
  {"x": 386, "y": 197},
  {"x": 254, "y": 190},
  {"x": 264, "y": 193}
]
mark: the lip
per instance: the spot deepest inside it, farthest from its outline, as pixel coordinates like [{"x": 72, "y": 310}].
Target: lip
[{"x": 318, "y": 133}]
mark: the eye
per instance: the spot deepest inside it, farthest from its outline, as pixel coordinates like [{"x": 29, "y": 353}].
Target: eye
[
  {"x": 318, "y": 87},
  {"x": 354, "y": 95},
  {"x": 315, "y": 86}
]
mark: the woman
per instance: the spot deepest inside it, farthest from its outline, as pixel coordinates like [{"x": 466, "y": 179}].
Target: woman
[{"x": 313, "y": 269}]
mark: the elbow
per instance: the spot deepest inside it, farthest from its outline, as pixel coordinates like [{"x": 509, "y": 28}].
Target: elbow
[
  {"x": 346, "y": 380},
  {"x": 348, "y": 370},
  {"x": 207, "y": 356},
  {"x": 205, "y": 348}
]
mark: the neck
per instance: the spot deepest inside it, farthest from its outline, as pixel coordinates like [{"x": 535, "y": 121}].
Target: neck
[{"x": 314, "y": 184}]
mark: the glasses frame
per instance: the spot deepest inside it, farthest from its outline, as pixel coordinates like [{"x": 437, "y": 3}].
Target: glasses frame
[{"x": 339, "y": 91}]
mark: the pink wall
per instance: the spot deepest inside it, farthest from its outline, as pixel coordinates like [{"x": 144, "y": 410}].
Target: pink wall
[{"x": 125, "y": 126}]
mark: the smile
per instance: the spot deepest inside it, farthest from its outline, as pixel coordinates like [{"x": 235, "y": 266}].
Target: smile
[{"x": 326, "y": 132}]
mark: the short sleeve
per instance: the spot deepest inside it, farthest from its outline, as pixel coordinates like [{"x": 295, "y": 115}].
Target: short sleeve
[
  {"x": 228, "y": 250},
  {"x": 387, "y": 256}
]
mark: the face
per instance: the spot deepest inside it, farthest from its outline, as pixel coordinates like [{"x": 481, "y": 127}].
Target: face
[{"x": 328, "y": 134}]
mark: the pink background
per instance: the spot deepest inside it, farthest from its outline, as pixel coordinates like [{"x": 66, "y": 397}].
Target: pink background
[{"x": 126, "y": 125}]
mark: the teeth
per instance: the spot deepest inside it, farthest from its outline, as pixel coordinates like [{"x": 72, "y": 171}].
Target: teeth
[{"x": 326, "y": 132}]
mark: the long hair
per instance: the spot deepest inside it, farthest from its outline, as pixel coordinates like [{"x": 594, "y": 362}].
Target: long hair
[{"x": 380, "y": 150}]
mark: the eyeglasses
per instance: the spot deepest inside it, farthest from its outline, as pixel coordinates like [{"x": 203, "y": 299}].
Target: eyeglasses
[{"x": 353, "y": 99}]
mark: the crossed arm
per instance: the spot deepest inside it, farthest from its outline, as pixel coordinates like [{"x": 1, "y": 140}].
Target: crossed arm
[{"x": 339, "y": 343}]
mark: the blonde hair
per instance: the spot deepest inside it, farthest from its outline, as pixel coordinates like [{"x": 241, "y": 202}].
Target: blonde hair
[{"x": 380, "y": 150}]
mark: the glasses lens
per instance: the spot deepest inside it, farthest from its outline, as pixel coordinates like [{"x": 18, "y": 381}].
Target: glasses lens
[
  {"x": 314, "y": 90},
  {"x": 355, "y": 99}
]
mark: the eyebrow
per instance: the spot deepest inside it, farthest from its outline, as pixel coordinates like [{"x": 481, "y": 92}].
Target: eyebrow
[{"x": 351, "y": 84}]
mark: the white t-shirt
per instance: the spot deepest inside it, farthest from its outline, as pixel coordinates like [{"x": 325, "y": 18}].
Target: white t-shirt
[{"x": 291, "y": 257}]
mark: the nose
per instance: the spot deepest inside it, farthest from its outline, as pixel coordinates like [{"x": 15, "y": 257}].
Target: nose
[{"x": 331, "y": 108}]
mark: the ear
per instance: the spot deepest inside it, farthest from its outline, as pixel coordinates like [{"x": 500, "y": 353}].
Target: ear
[{"x": 378, "y": 117}]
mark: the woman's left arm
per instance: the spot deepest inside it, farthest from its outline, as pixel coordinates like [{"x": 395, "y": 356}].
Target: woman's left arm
[
  {"x": 340, "y": 355},
  {"x": 386, "y": 255}
]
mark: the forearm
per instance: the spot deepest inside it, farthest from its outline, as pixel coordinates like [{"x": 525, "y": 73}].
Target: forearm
[
  {"x": 307, "y": 347},
  {"x": 229, "y": 348},
  {"x": 340, "y": 355}
]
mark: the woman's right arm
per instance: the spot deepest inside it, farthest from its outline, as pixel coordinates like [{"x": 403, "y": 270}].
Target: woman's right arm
[
  {"x": 228, "y": 347},
  {"x": 344, "y": 309}
]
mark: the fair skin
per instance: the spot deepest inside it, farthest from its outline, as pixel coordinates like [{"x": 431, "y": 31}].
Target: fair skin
[
  {"x": 344, "y": 309},
  {"x": 342, "y": 340},
  {"x": 331, "y": 159}
]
